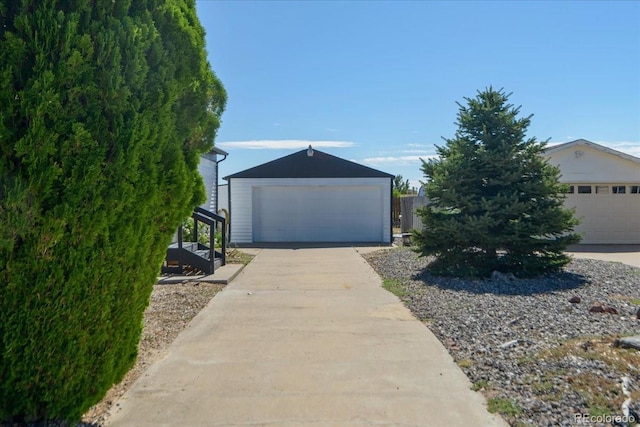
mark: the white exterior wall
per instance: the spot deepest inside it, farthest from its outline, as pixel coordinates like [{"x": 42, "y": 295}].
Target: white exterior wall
[
  {"x": 584, "y": 164},
  {"x": 605, "y": 218},
  {"x": 242, "y": 195},
  {"x": 207, "y": 169},
  {"x": 223, "y": 197}
]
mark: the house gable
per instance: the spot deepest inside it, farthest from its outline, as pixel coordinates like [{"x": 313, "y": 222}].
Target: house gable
[{"x": 582, "y": 161}]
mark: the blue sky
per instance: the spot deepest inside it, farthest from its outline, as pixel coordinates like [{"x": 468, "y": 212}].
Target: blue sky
[{"x": 377, "y": 82}]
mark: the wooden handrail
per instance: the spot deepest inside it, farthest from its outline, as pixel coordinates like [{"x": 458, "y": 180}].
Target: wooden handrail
[
  {"x": 213, "y": 216},
  {"x": 211, "y": 219}
]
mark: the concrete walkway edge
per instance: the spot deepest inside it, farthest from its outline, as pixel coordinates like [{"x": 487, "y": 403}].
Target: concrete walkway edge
[{"x": 222, "y": 276}]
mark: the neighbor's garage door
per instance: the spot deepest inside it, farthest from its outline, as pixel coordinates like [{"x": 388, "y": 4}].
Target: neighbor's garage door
[
  {"x": 317, "y": 214},
  {"x": 607, "y": 218}
]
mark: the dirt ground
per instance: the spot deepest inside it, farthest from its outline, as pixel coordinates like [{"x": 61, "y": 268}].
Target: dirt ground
[{"x": 170, "y": 310}]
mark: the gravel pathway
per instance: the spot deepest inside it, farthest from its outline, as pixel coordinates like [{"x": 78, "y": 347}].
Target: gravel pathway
[{"x": 539, "y": 359}]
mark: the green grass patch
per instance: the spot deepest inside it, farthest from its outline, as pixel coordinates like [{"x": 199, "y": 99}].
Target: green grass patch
[
  {"x": 635, "y": 301},
  {"x": 596, "y": 348},
  {"x": 526, "y": 359},
  {"x": 480, "y": 385},
  {"x": 544, "y": 387},
  {"x": 503, "y": 406},
  {"x": 465, "y": 363},
  {"x": 395, "y": 287},
  {"x": 234, "y": 256},
  {"x": 598, "y": 411},
  {"x": 602, "y": 394}
]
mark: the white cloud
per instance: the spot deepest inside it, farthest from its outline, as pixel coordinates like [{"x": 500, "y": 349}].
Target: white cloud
[
  {"x": 627, "y": 147},
  {"x": 280, "y": 144},
  {"x": 414, "y": 151},
  {"x": 395, "y": 160}
]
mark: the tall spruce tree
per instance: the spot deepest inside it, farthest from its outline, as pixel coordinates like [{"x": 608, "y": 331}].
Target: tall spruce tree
[
  {"x": 495, "y": 204},
  {"x": 105, "y": 108}
]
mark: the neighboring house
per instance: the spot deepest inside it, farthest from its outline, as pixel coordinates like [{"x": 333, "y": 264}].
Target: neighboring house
[
  {"x": 604, "y": 190},
  {"x": 310, "y": 196},
  {"x": 208, "y": 169},
  {"x": 223, "y": 197},
  {"x": 183, "y": 253}
]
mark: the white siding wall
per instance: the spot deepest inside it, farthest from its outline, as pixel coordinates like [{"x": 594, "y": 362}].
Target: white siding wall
[
  {"x": 586, "y": 164},
  {"x": 223, "y": 197},
  {"x": 607, "y": 218},
  {"x": 242, "y": 210},
  {"x": 207, "y": 169}
]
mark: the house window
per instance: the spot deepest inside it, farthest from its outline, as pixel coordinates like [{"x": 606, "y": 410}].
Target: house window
[
  {"x": 602, "y": 189},
  {"x": 584, "y": 189},
  {"x": 635, "y": 189},
  {"x": 618, "y": 189},
  {"x": 570, "y": 189}
]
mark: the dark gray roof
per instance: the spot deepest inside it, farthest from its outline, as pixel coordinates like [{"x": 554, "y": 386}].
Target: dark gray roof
[{"x": 300, "y": 165}]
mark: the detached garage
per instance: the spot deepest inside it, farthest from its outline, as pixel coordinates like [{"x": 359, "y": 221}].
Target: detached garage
[
  {"x": 310, "y": 196},
  {"x": 604, "y": 190}
]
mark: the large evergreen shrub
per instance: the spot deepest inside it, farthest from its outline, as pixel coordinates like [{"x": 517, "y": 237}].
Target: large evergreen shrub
[
  {"x": 105, "y": 108},
  {"x": 495, "y": 204}
]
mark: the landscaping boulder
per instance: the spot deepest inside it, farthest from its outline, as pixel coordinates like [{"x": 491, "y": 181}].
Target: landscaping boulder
[
  {"x": 602, "y": 308},
  {"x": 596, "y": 309},
  {"x": 629, "y": 342}
]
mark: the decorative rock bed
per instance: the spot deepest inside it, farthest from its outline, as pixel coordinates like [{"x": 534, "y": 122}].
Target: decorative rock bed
[{"x": 536, "y": 345}]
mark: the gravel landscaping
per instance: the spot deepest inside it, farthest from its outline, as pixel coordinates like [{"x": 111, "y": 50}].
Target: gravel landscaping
[{"x": 540, "y": 359}]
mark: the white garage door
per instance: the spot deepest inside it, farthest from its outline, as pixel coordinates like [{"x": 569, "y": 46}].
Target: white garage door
[
  {"x": 317, "y": 214},
  {"x": 607, "y": 218}
]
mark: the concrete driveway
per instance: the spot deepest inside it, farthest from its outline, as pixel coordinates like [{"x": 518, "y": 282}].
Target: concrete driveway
[
  {"x": 626, "y": 254},
  {"x": 305, "y": 337}
]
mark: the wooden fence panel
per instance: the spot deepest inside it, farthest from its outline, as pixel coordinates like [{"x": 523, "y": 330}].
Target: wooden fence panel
[
  {"x": 411, "y": 220},
  {"x": 396, "y": 212}
]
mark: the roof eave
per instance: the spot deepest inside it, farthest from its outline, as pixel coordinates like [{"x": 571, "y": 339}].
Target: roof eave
[{"x": 584, "y": 142}]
